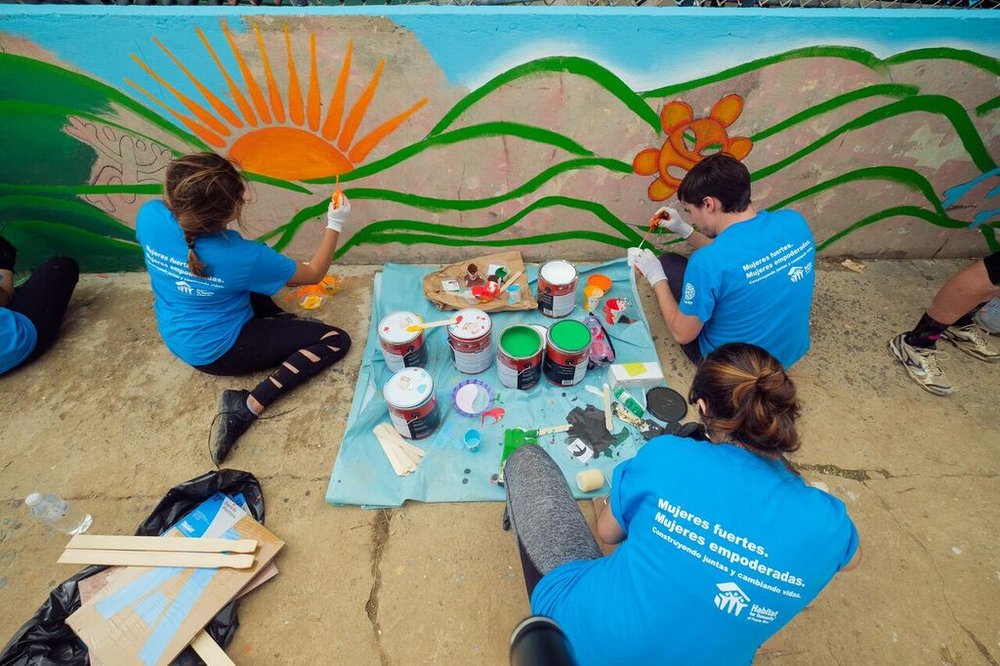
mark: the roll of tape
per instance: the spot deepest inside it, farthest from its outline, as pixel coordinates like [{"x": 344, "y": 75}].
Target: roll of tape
[{"x": 589, "y": 480}]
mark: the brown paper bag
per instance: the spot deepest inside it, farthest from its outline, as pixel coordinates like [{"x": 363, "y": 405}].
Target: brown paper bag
[{"x": 446, "y": 300}]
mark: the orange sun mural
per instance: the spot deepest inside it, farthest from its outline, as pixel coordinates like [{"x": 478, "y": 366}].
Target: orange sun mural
[
  {"x": 687, "y": 140},
  {"x": 277, "y": 133}
]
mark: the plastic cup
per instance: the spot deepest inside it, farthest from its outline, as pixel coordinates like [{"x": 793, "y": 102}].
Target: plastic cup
[
  {"x": 633, "y": 255},
  {"x": 592, "y": 297},
  {"x": 514, "y": 294}
]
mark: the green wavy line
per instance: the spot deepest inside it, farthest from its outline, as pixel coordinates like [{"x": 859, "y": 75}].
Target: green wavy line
[
  {"x": 529, "y": 186},
  {"x": 937, "y": 104},
  {"x": 502, "y": 128},
  {"x": 882, "y": 89},
  {"x": 988, "y": 106},
  {"x": 911, "y": 211},
  {"x": 628, "y": 235},
  {"x": 903, "y": 175},
  {"x": 858, "y": 55},
  {"x": 149, "y": 188},
  {"x": 72, "y": 210},
  {"x": 289, "y": 229},
  {"x": 567, "y": 64},
  {"x": 411, "y": 239}
]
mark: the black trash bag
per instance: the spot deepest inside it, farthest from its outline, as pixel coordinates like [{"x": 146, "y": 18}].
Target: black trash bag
[{"x": 46, "y": 640}]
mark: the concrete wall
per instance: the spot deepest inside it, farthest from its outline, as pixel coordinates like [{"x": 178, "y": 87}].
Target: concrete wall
[{"x": 452, "y": 129}]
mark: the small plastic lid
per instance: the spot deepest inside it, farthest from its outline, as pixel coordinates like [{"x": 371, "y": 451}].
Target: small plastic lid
[{"x": 33, "y": 499}]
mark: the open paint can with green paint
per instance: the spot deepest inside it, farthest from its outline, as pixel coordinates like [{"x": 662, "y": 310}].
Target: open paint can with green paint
[
  {"x": 567, "y": 353},
  {"x": 519, "y": 357}
]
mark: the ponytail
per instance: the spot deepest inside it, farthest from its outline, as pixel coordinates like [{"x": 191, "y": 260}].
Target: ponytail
[
  {"x": 749, "y": 399},
  {"x": 195, "y": 265}
]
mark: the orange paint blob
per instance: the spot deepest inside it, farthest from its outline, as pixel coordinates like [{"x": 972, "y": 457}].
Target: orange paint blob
[{"x": 289, "y": 153}]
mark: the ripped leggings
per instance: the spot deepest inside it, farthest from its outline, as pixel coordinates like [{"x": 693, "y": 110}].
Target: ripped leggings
[{"x": 297, "y": 348}]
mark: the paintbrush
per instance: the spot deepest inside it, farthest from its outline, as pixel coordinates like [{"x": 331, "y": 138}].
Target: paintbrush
[
  {"x": 653, "y": 223},
  {"x": 413, "y": 328},
  {"x": 511, "y": 280},
  {"x": 547, "y": 431}
]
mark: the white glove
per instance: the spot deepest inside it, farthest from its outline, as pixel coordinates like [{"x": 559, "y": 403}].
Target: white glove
[
  {"x": 672, "y": 220},
  {"x": 649, "y": 266},
  {"x": 336, "y": 217}
]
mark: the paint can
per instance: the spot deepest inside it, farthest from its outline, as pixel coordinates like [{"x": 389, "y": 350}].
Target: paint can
[
  {"x": 567, "y": 353},
  {"x": 402, "y": 348},
  {"x": 519, "y": 356},
  {"x": 471, "y": 341},
  {"x": 413, "y": 409},
  {"x": 557, "y": 288}
]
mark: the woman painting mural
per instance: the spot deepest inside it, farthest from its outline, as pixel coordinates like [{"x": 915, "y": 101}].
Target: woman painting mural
[
  {"x": 213, "y": 289},
  {"x": 722, "y": 543}
]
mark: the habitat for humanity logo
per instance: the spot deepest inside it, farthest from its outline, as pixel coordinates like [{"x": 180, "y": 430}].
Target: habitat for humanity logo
[
  {"x": 731, "y": 599},
  {"x": 184, "y": 287},
  {"x": 796, "y": 273}
]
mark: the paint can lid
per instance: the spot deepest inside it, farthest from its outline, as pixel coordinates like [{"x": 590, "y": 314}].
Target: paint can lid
[
  {"x": 408, "y": 388},
  {"x": 666, "y": 404},
  {"x": 558, "y": 272},
  {"x": 392, "y": 328},
  {"x": 570, "y": 335},
  {"x": 472, "y": 324},
  {"x": 521, "y": 341}
]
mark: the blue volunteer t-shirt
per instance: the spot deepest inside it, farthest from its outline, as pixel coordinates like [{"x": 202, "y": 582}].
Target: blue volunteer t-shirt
[
  {"x": 724, "y": 547},
  {"x": 17, "y": 339},
  {"x": 754, "y": 284},
  {"x": 200, "y": 318}
]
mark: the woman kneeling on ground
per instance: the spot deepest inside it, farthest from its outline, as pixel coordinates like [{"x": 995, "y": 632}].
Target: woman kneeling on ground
[
  {"x": 722, "y": 542},
  {"x": 213, "y": 290}
]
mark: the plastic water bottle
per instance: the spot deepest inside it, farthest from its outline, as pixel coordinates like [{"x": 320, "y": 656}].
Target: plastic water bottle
[
  {"x": 58, "y": 513},
  {"x": 989, "y": 316}
]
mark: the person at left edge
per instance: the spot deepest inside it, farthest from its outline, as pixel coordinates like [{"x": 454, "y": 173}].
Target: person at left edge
[{"x": 212, "y": 291}]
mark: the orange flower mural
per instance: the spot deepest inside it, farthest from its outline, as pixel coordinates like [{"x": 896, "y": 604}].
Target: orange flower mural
[
  {"x": 275, "y": 134},
  {"x": 687, "y": 140}
]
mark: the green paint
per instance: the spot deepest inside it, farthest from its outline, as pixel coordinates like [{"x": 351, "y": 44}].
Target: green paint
[
  {"x": 520, "y": 341},
  {"x": 936, "y": 104},
  {"x": 904, "y": 211},
  {"x": 146, "y": 188},
  {"x": 556, "y": 64},
  {"x": 858, "y": 55},
  {"x": 990, "y": 234},
  {"x": 570, "y": 335},
  {"x": 879, "y": 90},
  {"x": 46, "y": 209},
  {"x": 37, "y": 239},
  {"x": 483, "y": 130},
  {"x": 987, "y": 106}
]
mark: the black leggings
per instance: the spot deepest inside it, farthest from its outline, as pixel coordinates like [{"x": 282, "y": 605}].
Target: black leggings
[
  {"x": 43, "y": 299},
  {"x": 674, "y": 266},
  {"x": 300, "y": 348}
]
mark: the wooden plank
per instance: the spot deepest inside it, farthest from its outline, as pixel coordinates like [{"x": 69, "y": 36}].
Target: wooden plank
[
  {"x": 161, "y": 544},
  {"x": 154, "y": 559},
  {"x": 209, "y": 651}
]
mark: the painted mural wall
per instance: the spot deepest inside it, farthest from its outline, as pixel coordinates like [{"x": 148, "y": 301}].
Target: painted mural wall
[{"x": 557, "y": 131}]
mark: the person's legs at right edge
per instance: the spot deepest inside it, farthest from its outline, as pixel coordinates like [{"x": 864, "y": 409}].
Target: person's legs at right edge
[
  {"x": 44, "y": 298},
  {"x": 950, "y": 317},
  {"x": 548, "y": 524},
  {"x": 674, "y": 266}
]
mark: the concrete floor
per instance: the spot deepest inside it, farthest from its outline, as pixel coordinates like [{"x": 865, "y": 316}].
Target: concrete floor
[{"x": 110, "y": 420}]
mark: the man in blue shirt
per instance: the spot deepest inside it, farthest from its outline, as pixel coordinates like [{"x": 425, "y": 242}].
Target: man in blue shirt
[{"x": 751, "y": 277}]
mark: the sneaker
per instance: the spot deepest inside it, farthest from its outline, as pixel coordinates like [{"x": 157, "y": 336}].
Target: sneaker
[
  {"x": 921, "y": 364},
  {"x": 970, "y": 340},
  {"x": 234, "y": 419}
]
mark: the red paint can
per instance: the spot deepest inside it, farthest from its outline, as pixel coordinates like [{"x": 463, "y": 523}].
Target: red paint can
[
  {"x": 413, "y": 409},
  {"x": 567, "y": 353},
  {"x": 402, "y": 348},
  {"x": 519, "y": 356},
  {"x": 557, "y": 288},
  {"x": 471, "y": 341}
]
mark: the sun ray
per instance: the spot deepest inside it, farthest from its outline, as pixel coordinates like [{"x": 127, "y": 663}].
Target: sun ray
[
  {"x": 272, "y": 87},
  {"x": 220, "y": 107},
  {"x": 294, "y": 91},
  {"x": 313, "y": 104},
  {"x": 255, "y": 93},
  {"x": 332, "y": 125},
  {"x": 364, "y": 146},
  {"x": 203, "y": 132},
  {"x": 241, "y": 101},
  {"x": 199, "y": 111},
  {"x": 357, "y": 113}
]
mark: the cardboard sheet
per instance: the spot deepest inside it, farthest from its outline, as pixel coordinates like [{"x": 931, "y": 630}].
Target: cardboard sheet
[{"x": 444, "y": 300}]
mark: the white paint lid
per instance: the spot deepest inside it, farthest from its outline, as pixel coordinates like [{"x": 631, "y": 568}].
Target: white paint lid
[
  {"x": 408, "y": 388},
  {"x": 558, "y": 272},
  {"x": 472, "y": 324},
  {"x": 393, "y": 326}
]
